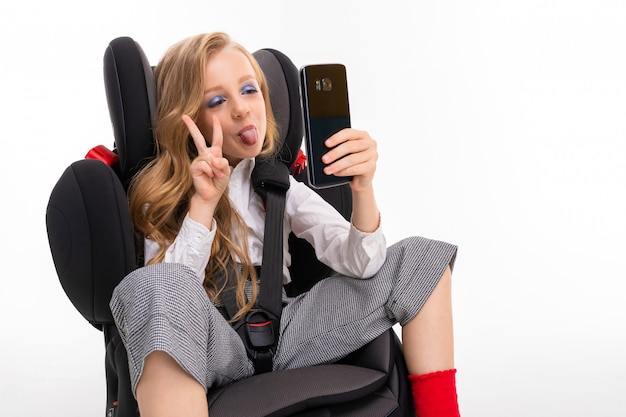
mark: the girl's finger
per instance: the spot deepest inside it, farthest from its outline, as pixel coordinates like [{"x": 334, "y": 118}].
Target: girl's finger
[
  {"x": 218, "y": 136},
  {"x": 196, "y": 135}
]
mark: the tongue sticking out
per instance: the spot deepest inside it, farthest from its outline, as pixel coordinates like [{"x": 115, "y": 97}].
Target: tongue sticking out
[{"x": 249, "y": 137}]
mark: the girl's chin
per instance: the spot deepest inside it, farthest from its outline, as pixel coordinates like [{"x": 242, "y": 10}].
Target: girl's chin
[{"x": 246, "y": 152}]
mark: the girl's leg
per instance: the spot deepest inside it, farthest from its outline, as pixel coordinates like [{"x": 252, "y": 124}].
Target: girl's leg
[
  {"x": 429, "y": 354},
  {"x": 428, "y": 338},
  {"x": 166, "y": 390},
  {"x": 339, "y": 314},
  {"x": 178, "y": 343}
]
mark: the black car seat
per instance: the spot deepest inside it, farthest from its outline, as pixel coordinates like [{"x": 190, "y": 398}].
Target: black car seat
[{"x": 92, "y": 241}]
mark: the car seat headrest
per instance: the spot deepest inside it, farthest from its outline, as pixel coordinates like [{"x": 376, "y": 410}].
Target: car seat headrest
[
  {"x": 131, "y": 96},
  {"x": 283, "y": 82}
]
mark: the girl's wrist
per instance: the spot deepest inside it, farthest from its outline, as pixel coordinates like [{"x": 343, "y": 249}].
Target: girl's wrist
[
  {"x": 201, "y": 210},
  {"x": 365, "y": 214}
]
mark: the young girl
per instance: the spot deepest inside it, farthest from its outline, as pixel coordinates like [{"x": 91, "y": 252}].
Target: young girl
[{"x": 195, "y": 204}]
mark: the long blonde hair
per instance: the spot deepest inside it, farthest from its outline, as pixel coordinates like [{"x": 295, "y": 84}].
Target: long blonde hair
[{"x": 159, "y": 195}]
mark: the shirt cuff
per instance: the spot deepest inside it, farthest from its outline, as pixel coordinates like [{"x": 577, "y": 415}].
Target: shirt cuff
[
  {"x": 370, "y": 248},
  {"x": 196, "y": 235}
]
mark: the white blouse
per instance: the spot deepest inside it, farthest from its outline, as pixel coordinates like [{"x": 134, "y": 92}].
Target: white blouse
[{"x": 337, "y": 242}]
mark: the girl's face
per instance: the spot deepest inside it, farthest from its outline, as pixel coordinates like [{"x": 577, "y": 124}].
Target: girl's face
[{"x": 232, "y": 93}]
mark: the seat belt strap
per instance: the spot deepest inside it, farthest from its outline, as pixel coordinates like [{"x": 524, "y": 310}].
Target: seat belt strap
[
  {"x": 260, "y": 328},
  {"x": 270, "y": 299},
  {"x": 270, "y": 293}
]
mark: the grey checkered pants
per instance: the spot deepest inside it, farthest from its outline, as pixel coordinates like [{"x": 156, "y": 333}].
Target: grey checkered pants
[{"x": 164, "y": 307}]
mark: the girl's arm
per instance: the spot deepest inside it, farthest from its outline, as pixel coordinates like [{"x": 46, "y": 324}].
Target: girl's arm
[
  {"x": 357, "y": 249},
  {"x": 365, "y": 214},
  {"x": 192, "y": 247}
]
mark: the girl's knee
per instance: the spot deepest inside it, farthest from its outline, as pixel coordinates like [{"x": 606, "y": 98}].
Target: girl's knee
[
  {"x": 411, "y": 244},
  {"x": 158, "y": 289},
  {"x": 169, "y": 278}
]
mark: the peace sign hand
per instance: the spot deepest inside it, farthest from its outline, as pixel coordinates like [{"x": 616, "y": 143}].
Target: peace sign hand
[{"x": 210, "y": 171}]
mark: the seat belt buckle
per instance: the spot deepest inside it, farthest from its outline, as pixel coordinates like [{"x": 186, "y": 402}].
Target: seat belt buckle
[{"x": 260, "y": 331}]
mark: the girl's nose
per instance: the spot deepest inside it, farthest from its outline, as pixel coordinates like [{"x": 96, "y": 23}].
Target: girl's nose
[{"x": 240, "y": 108}]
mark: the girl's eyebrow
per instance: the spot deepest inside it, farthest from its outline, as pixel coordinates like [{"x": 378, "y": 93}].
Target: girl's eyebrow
[{"x": 239, "y": 81}]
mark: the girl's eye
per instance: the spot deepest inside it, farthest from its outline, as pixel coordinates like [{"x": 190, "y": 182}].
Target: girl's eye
[
  {"x": 215, "y": 101},
  {"x": 249, "y": 89}
]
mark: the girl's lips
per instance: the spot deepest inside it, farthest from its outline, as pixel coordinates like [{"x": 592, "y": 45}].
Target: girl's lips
[{"x": 248, "y": 135}]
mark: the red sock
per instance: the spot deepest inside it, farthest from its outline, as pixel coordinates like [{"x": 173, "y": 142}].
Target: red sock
[{"x": 434, "y": 394}]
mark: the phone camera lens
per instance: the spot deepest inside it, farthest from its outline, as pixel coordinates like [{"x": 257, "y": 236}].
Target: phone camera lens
[{"x": 327, "y": 84}]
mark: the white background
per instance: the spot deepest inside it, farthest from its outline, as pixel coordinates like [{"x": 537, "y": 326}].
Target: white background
[{"x": 501, "y": 127}]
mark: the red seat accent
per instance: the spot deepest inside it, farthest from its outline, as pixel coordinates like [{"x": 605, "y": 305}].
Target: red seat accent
[
  {"x": 299, "y": 164},
  {"x": 103, "y": 154}
]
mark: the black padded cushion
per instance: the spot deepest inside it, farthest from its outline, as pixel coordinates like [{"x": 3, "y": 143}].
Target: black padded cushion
[
  {"x": 131, "y": 96},
  {"x": 285, "y": 393},
  {"x": 282, "y": 79},
  {"x": 91, "y": 236},
  {"x": 355, "y": 387}
]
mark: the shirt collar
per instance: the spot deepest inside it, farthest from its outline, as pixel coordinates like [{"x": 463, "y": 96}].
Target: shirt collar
[{"x": 244, "y": 168}]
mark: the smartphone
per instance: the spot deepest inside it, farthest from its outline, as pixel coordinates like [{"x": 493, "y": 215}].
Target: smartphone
[{"x": 326, "y": 109}]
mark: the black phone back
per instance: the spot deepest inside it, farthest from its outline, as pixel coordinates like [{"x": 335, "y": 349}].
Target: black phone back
[{"x": 326, "y": 111}]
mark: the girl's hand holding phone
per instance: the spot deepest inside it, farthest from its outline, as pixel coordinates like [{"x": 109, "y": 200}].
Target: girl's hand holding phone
[{"x": 353, "y": 154}]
